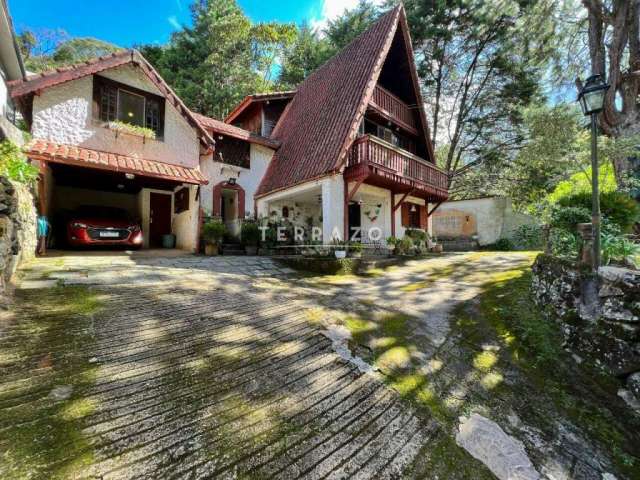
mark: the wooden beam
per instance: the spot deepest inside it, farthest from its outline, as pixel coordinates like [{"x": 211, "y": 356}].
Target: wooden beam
[
  {"x": 401, "y": 201},
  {"x": 354, "y": 189},
  {"x": 434, "y": 208}
]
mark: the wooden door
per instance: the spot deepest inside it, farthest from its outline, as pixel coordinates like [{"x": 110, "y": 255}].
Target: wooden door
[
  {"x": 159, "y": 218},
  {"x": 355, "y": 222}
]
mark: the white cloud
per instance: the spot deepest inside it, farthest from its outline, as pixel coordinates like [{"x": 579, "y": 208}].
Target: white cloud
[
  {"x": 332, "y": 9},
  {"x": 173, "y": 21}
]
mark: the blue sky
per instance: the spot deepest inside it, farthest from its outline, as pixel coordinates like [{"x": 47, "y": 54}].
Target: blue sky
[{"x": 130, "y": 22}]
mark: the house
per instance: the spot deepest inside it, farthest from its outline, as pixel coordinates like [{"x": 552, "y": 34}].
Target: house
[
  {"x": 234, "y": 171},
  {"x": 80, "y": 119},
  {"x": 477, "y": 222},
  {"x": 11, "y": 69},
  {"x": 355, "y": 156}
]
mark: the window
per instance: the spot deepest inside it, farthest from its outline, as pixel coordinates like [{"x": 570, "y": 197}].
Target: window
[
  {"x": 414, "y": 216},
  {"x": 115, "y": 101}
]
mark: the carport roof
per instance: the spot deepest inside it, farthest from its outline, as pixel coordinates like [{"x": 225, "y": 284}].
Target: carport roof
[{"x": 85, "y": 157}]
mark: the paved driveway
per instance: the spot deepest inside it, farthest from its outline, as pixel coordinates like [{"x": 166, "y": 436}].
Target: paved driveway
[{"x": 186, "y": 367}]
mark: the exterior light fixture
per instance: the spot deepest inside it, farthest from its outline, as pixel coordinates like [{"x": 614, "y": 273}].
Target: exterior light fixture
[
  {"x": 129, "y": 176},
  {"x": 232, "y": 181},
  {"x": 591, "y": 98},
  {"x": 413, "y": 207}
]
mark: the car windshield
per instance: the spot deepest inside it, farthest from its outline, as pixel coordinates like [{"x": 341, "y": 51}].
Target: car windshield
[{"x": 103, "y": 212}]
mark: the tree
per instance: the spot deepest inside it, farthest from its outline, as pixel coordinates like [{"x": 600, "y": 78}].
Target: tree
[
  {"x": 480, "y": 63},
  {"x": 345, "y": 28},
  {"x": 221, "y": 58},
  {"x": 47, "y": 49},
  {"x": 304, "y": 55},
  {"x": 614, "y": 51}
]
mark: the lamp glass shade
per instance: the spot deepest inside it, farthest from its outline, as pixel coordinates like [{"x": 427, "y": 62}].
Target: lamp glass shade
[
  {"x": 591, "y": 96},
  {"x": 592, "y": 102}
]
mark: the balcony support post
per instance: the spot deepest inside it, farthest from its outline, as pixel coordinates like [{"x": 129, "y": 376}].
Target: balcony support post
[{"x": 348, "y": 196}]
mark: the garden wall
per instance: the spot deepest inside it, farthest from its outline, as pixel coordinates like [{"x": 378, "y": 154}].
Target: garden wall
[
  {"x": 600, "y": 314},
  {"x": 17, "y": 229}
]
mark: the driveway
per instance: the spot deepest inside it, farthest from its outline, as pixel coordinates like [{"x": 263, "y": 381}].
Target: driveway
[
  {"x": 186, "y": 367},
  {"x": 163, "y": 365}
]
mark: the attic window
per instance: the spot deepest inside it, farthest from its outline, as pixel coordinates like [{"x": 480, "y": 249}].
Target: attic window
[{"x": 116, "y": 101}]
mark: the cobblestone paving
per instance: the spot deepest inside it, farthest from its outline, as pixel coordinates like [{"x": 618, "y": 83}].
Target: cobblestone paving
[{"x": 187, "y": 367}]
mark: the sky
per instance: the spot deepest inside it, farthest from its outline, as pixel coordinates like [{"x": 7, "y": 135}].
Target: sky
[{"x": 133, "y": 22}]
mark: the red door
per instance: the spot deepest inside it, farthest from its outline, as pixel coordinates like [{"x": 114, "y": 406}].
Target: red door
[{"x": 159, "y": 218}]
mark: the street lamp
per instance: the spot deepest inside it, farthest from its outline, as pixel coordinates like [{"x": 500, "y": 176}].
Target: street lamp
[{"x": 591, "y": 98}]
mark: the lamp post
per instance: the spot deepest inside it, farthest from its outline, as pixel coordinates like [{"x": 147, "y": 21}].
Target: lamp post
[{"x": 591, "y": 98}]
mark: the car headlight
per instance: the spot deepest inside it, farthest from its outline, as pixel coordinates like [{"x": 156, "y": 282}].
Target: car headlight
[{"x": 78, "y": 225}]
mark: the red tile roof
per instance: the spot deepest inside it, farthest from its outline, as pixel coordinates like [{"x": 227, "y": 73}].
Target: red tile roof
[
  {"x": 221, "y": 128},
  {"x": 322, "y": 120},
  {"x": 85, "y": 157},
  {"x": 41, "y": 81},
  {"x": 257, "y": 97}
]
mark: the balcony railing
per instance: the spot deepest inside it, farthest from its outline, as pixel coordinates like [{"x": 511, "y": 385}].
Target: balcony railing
[
  {"x": 392, "y": 107},
  {"x": 369, "y": 151}
]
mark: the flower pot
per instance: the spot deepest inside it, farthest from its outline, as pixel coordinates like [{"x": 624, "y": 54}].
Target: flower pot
[
  {"x": 169, "y": 241},
  {"x": 251, "y": 249},
  {"x": 340, "y": 254},
  {"x": 356, "y": 254},
  {"x": 211, "y": 249},
  {"x": 437, "y": 248}
]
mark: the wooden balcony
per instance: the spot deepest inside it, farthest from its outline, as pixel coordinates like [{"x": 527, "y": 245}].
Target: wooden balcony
[
  {"x": 392, "y": 108},
  {"x": 377, "y": 162}
]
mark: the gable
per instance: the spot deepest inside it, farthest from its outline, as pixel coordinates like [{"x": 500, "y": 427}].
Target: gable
[
  {"x": 24, "y": 90},
  {"x": 321, "y": 122}
]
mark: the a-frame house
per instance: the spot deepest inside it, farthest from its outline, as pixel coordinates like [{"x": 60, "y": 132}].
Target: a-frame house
[{"x": 355, "y": 152}]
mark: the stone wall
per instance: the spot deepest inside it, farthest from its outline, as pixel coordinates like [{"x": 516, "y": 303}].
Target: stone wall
[{"x": 600, "y": 314}]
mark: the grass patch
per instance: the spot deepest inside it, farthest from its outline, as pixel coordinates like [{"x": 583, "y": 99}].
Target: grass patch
[
  {"x": 41, "y": 437},
  {"x": 552, "y": 382}
]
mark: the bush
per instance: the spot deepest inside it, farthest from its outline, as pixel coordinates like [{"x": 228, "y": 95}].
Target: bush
[
  {"x": 355, "y": 247},
  {"x": 250, "y": 233},
  {"x": 14, "y": 165},
  {"x": 616, "y": 207},
  {"x": 502, "y": 245},
  {"x": 213, "y": 231},
  {"x": 568, "y": 218},
  {"x": 618, "y": 249},
  {"x": 564, "y": 243},
  {"x": 416, "y": 235},
  {"x": 528, "y": 236},
  {"x": 405, "y": 246}
]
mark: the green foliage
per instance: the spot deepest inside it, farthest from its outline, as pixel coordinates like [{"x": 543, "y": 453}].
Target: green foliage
[
  {"x": 304, "y": 55},
  {"x": 405, "y": 246},
  {"x": 618, "y": 249},
  {"x": 132, "y": 129},
  {"x": 14, "y": 165},
  {"x": 355, "y": 247},
  {"x": 580, "y": 183},
  {"x": 48, "y": 49},
  {"x": 250, "y": 233},
  {"x": 617, "y": 207},
  {"x": 568, "y": 217},
  {"x": 502, "y": 245},
  {"x": 223, "y": 57},
  {"x": 528, "y": 237},
  {"x": 213, "y": 231},
  {"x": 345, "y": 28},
  {"x": 416, "y": 234}
]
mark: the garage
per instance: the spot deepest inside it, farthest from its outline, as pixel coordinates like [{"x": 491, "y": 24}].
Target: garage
[{"x": 98, "y": 199}]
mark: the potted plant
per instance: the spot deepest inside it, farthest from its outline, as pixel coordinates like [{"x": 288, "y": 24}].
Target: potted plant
[
  {"x": 405, "y": 246},
  {"x": 213, "y": 232},
  {"x": 339, "y": 249},
  {"x": 392, "y": 243},
  {"x": 250, "y": 234},
  {"x": 355, "y": 249}
]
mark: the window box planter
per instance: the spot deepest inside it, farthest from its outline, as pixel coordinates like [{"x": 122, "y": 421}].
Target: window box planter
[{"x": 136, "y": 131}]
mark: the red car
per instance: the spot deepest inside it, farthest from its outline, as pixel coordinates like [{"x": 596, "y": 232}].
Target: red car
[{"x": 96, "y": 226}]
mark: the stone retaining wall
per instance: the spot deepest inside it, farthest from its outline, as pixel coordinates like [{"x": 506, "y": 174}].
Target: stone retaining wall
[
  {"x": 17, "y": 230},
  {"x": 600, "y": 313}
]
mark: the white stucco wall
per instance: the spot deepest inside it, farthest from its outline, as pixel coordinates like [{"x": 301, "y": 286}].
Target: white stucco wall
[
  {"x": 63, "y": 114},
  {"x": 248, "y": 178},
  {"x": 3, "y": 92},
  {"x": 332, "y": 208},
  {"x": 494, "y": 217}
]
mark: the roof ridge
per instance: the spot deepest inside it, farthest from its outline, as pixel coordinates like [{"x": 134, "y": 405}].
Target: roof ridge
[{"x": 90, "y": 61}]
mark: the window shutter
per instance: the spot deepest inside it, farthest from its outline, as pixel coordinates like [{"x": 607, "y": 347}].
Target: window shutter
[
  {"x": 405, "y": 215},
  {"x": 423, "y": 217}
]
